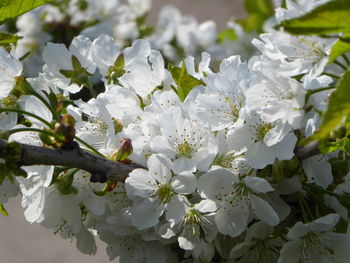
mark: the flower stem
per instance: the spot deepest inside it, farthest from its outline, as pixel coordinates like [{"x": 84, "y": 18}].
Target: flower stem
[
  {"x": 314, "y": 91},
  {"x": 89, "y": 147},
  {"x": 331, "y": 75},
  {"x": 90, "y": 86},
  {"x": 27, "y": 113},
  {"x": 54, "y": 113},
  {"x": 13, "y": 131},
  {"x": 340, "y": 65},
  {"x": 346, "y": 59}
]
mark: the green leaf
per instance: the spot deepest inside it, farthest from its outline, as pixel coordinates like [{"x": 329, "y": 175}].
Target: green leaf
[
  {"x": 338, "y": 107},
  {"x": 227, "y": 35},
  {"x": 332, "y": 17},
  {"x": 13, "y": 8},
  {"x": 259, "y": 11},
  {"x": 117, "y": 70},
  {"x": 185, "y": 82},
  {"x": 327, "y": 147},
  {"x": 119, "y": 63},
  {"x": 341, "y": 47},
  {"x": 263, "y": 7},
  {"x": 347, "y": 146},
  {"x": 6, "y": 38},
  {"x": 78, "y": 75},
  {"x": 3, "y": 210}
]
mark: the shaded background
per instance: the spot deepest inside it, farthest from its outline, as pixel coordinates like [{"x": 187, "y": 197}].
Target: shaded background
[{"x": 21, "y": 242}]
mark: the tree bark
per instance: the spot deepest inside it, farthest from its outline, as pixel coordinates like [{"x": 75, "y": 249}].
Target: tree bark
[
  {"x": 75, "y": 158},
  {"x": 96, "y": 165},
  {"x": 307, "y": 151}
]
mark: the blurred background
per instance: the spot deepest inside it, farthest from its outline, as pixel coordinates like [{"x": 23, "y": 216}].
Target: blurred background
[{"x": 21, "y": 242}]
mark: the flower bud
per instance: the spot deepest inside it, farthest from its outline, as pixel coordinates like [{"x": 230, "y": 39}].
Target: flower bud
[{"x": 124, "y": 150}]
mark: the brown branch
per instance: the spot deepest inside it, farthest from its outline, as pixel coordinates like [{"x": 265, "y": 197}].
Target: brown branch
[
  {"x": 100, "y": 167},
  {"x": 75, "y": 158},
  {"x": 307, "y": 151}
]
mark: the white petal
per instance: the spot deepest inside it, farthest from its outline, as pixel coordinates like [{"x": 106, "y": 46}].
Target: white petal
[
  {"x": 325, "y": 223},
  {"x": 206, "y": 206},
  {"x": 140, "y": 183},
  {"x": 257, "y": 184},
  {"x": 159, "y": 167},
  {"x": 318, "y": 170},
  {"x": 184, "y": 184},
  {"x": 185, "y": 243},
  {"x": 232, "y": 221},
  {"x": 146, "y": 214},
  {"x": 216, "y": 183},
  {"x": 176, "y": 208},
  {"x": 291, "y": 252},
  {"x": 264, "y": 211}
]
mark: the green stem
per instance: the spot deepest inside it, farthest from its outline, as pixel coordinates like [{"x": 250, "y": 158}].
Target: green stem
[
  {"x": 54, "y": 114},
  {"x": 90, "y": 147},
  {"x": 340, "y": 65},
  {"x": 314, "y": 91},
  {"x": 303, "y": 211},
  {"x": 346, "y": 59},
  {"x": 27, "y": 113},
  {"x": 90, "y": 86},
  {"x": 10, "y": 132},
  {"x": 308, "y": 210},
  {"x": 331, "y": 75}
]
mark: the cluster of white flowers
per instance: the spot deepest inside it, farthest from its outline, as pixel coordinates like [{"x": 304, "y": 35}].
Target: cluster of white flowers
[
  {"x": 214, "y": 142},
  {"x": 174, "y": 34}
]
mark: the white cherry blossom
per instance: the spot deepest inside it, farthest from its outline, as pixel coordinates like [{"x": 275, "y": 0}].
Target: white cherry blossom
[
  {"x": 157, "y": 191},
  {"x": 239, "y": 200}
]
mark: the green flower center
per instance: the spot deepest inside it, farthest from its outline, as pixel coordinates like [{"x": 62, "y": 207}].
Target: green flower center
[
  {"x": 192, "y": 217},
  {"x": 82, "y": 5},
  {"x": 234, "y": 110},
  {"x": 165, "y": 193},
  {"x": 184, "y": 150},
  {"x": 312, "y": 243},
  {"x": 263, "y": 130},
  {"x": 193, "y": 220}
]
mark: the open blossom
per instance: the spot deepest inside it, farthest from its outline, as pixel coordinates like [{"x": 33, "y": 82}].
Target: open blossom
[
  {"x": 10, "y": 69},
  {"x": 157, "y": 191},
  {"x": 238, "y": 198},
  {"x": 218, "y": 105},
  {"x": 189, "y": 145},
  {"x": 133, "y": 249},
  {"x": 258, "y": 246},
  {"x": 104, "y": 52},
  {"x": 221, "y": 177},
  {"x": 90, "y": 10},
  {"x": 196, "y": 230},
  {"x": 94, "y": 123},
  {"x": 274, "y": 96},
  {"x": 58, "y": 59},
  {"x": 294, "y": 9},
  {"x": 144, "y": 68},
  {"x": 297, "y": 54},
  {"x": 262, "y": 142},
  {"x": 315, "y": 242}
]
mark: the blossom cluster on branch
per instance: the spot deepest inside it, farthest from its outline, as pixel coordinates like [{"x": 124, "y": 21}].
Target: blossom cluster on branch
[{"x": 132, "y": 135}]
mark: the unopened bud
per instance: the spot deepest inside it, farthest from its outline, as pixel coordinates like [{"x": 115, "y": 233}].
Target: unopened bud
[
  {"x": 9, "y": 101},
  {"x": 12, "y": 152},
  {"x": 68, "y": 120},
  {"x": 118, "y": 126},
  {"x": 124, "y": 150},
  {"x": 22, "y": 87},
  {"x": 65, "y": 131}
]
